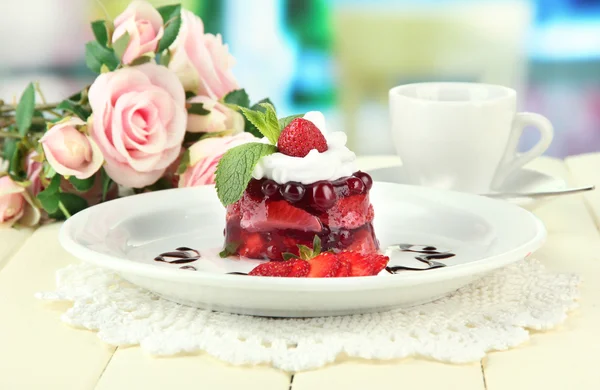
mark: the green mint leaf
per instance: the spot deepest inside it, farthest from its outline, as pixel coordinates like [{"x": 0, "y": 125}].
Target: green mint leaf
[
  {"x": 229, "y": 249},
  {"x": 102, "y": 30},
  {"x": 171, "y": 15},
  {"x": 185, "y": 162},
  {"x": 283, "y": 122},
  {"x": 97, "y": 55},
  {"x": 258, "y": 107},
  {"x": 121, "y": 44},
  {"x": 265, "y": 122},
  {"x": 316, "y": 245},
  {"x": 73, "y": 203},
  {"x": 25, "y": 108},
  {"x": 82, "y": 185},
  {"x": 289, "y": 256},
  {"x": 197, "y": 109},
  {"x": 239, "y": 97},
  {"x": 74, "y": 108},
  {"x": 49, "y": 197},
  {"x": 106, "y": 182},
  {"x": 234, "y": 170}
]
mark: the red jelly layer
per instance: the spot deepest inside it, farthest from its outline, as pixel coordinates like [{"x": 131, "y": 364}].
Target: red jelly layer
[{"x": 271, "y": 219}]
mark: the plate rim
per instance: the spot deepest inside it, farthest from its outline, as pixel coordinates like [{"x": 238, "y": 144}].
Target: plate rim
[{"x": 125, "y": 266}]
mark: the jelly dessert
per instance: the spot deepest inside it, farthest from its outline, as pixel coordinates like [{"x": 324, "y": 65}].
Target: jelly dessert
[{"x": 305, "y": 186}]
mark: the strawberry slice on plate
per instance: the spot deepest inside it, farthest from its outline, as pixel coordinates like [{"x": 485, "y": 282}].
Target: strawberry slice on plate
[
  {"x": 281, "y": 215},
  {"x": 364, "y": 265},
  {"x": 324, "y": 265},
  {"x": 295, "y": 268}
]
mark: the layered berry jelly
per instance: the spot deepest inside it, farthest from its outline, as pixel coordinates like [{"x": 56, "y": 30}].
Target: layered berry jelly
[{"x": 271, "y": 219}]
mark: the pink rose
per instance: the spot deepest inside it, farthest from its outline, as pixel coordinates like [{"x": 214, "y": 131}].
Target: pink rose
[
  {"x": 201, "y": 61},
  {"x": 69, "y": 151},
  {"x": 204, "y": 156},
  {"x": 144, "y": 25},
  {"x": 34, "y": 169},
  {"x": 16, "y": 204},
  {"x": 139, "y": 121},
  {"x": 221, "y": 117}
]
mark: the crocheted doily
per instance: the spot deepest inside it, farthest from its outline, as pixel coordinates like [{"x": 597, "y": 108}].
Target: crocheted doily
[{"x": 492, "y": 314}]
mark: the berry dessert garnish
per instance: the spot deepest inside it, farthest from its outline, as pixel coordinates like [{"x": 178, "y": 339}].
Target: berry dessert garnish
[
  {"x": 313, "y": 264},
  {"x": 297, "y": 182}
]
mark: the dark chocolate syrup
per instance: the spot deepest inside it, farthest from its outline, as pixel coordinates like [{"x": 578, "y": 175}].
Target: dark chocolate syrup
[
  {"x": 428, "y": 256},
  {"x": 236, "y": 273},
  {"x": 181, "y": 255},
  {"x": 189, "y": 267}
]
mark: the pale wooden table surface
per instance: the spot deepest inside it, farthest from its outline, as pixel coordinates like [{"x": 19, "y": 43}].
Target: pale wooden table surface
[{"x": 38, "y": 351}]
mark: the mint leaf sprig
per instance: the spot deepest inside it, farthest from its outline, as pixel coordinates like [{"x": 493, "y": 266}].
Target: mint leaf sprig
[{"x": 234, "y": 170}]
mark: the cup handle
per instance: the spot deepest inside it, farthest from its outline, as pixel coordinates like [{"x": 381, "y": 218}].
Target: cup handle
[{"x": 512, "y": 160}]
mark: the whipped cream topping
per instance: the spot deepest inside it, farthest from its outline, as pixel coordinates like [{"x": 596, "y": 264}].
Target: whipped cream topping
[{"x": 336, "y": 162}]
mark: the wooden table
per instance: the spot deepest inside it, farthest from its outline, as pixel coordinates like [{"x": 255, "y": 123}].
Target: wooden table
[{"x": 38, "y": 351}]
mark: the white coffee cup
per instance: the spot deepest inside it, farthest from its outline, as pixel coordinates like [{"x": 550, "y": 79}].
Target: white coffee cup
[{"x": 461, "y": 136}]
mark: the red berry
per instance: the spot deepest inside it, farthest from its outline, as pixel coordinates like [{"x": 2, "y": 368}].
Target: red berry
[
  {"x": 322, "y": 196},
  {"x": 366, "y": 179},
  {"x": 345, "y": 268},
  {"x": 325, "y": 265},
  {"x": 355, "y": 185},
  {"x": 364, "y": 265},
  {"x": 292, "y": 191},
  {"x": 269, "y": 187},
  {"x": 300, "y": 137},
  {"x": 363, "y": 242},
  {"x": 252, "y": 246}
]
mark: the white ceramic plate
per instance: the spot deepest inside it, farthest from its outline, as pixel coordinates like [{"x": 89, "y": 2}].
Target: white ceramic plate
[
  {"x": 522, "y": 181},
  {"x": 471, "y": 235}
]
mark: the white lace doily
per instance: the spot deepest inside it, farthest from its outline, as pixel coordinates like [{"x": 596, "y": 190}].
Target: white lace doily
[{"x": 491, "y": 314}]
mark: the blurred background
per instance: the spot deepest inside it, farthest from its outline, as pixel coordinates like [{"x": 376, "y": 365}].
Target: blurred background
[{"x": 342, "y": 56}]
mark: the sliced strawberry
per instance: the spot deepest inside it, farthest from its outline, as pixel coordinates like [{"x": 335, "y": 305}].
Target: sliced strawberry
[
  {"x": 298, "y": 268},
  {"x": 348, "y": 212},
  {"x": 363, "y": 242},
  {"x": 325, "y": 265},
  {"x": 378, "y": 262},
  {"x": 300, "y": 137},
  {"x": 359, "y": 264},
  {"x": 252, "y": 246},
  {"x": 272, "y": 268},
  {"x": 364, "y": 265},
  {"x": 280, "y": 215},
  {"x": 345, "y": 268}
]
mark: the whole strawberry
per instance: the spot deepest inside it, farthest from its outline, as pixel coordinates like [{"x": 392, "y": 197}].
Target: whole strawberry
[{"x": 300, "y": 137}]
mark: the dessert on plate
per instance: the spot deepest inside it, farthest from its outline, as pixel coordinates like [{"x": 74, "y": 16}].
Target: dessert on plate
[{"x": 300, "y": 188}]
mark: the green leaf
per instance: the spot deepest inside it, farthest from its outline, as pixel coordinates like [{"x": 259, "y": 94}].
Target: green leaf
[
  {"x": 140, "y": 60},
  {"x": 257, "y": 106},
  {"x": 316, "y": 245},
  {"x": 15, "y": 164},
  {"x": 289, "y": 256},
  {"x": 73, "y": 203},
  {"x": 49, "y": 197},
  {"x": 229, "y": 249},
  {"x": 189, "y": 95},
  {"x": 305, "y": 252},
  {"x": 171, "y": 15},
  {"x": 238, "y": 97},
  {"x": 197, "y": 109},
  {"x": 25, "y": 108},
  {"x": 10, "y": 145},
  {"x": 102, "y": 30},
  {"x": 283, "y": 122},
  {"x": 82, "y": 185},
  {"x": 97, "y": 55},
  {"x": 165, "y": 58},
  {"x": 106, "y": 182},
  {"x": 266, "y": 122},
  {"x": 235, "y": 169},
  {"x": 185, "y": 162},
  {"x": 74, "y": 108},
  {"x": 121, "y": 44}
]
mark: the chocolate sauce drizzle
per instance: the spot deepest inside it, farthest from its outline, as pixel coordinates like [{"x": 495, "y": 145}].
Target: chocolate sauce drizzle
[
  {"x": 181, "y": 255},
  {"x": 428, "y": 255},
  {"x": 236, "y": 273}
]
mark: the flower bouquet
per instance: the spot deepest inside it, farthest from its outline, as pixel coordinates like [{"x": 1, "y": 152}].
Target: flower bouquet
[{"x": 162, "y": 111}]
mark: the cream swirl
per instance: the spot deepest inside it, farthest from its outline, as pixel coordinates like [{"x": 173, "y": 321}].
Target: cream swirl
[{"x": 336, "y": 162}]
